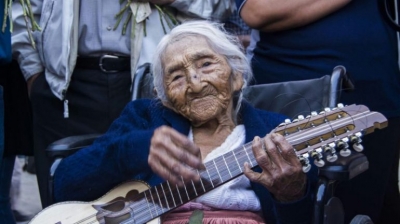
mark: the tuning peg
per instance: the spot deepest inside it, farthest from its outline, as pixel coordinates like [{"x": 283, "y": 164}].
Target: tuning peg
[
  {"x": 340, "y": 105},
  {"x": 356, "y": 140},
  {"x": 286, "y": 122},
  {"x": 344, "y": 147},
  {"x": 317, "y": 158},
  {"x": 314, "y": 113},
  {"x": 305, "y": 162},
  {"x": 345, "y": 152},
  {"x": 332, "y": 158},
  {"x": 358, "y": 147},
  {"x": 330, "y": 153},
  {"x": 327, "y": 109},
  {"x": 300, "y": 117}
]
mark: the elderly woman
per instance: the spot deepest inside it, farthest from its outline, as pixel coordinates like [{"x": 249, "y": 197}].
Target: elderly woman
[{"x": 199, "y": 115}]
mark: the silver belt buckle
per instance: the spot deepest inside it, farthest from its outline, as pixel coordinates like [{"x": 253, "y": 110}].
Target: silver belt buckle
[{"x": 101, "y": 63}]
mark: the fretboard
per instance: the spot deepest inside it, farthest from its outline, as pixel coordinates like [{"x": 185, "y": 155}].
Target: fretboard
[{"x": 165, "y": 197}]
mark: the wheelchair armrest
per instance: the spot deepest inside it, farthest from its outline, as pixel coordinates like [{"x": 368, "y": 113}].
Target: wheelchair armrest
[
  {"x": 340, "y": 81},
  {"x": 345, "y": 168},
  {"x": 69, "y": 145},
  {"x": 62, "y": 148}
]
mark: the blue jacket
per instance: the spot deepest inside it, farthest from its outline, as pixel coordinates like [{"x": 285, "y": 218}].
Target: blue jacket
[
  {"x": 121, "y": 154},
  {"x": 5, "y": 39}
]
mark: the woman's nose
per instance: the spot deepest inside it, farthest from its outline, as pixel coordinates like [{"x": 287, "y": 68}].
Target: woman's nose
[{"x": 194, "y": 81}]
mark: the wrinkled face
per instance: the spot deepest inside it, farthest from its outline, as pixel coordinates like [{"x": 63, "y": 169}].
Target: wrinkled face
[{"x": 198, "y": 82}]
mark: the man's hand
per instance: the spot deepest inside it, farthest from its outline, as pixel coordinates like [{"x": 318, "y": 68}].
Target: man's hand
[
  {"x": 282, "y": 172},
  {"x": 174, "y": 157},
  {"x": 30, "y": 81}
]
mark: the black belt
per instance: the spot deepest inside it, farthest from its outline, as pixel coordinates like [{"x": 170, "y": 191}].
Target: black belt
[{"x": 106, "y": 63}]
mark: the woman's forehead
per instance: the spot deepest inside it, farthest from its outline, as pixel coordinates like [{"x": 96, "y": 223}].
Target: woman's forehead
[
  {"x": 189, "y": 49},
  {"x": 185, "y": 43}
]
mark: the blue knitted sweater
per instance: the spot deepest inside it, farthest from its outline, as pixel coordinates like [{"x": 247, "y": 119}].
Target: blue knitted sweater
[{"x": 121, "y": 155}]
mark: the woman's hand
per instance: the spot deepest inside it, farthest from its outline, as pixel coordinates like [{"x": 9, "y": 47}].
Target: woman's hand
[
  {"x": 174, "y": 157},
  {"x": 282, "y": 172}
]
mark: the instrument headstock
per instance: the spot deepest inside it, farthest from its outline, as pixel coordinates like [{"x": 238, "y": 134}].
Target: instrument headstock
[{"x": 334, "y": 131}]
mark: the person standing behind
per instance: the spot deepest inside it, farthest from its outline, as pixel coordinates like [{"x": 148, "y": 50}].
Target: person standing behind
[
  {"x": 15, "y": 117},
  {"x": 79, "y": 78},
  {"x": 307, "y": 39},
  {"x": 6, "y": 163}
]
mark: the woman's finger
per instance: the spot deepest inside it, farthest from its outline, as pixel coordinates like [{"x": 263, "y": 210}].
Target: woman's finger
[
  {"x": 286, "y": 149},
  {"x": 273, "y": 152},
  {"x": 260, "y": 154},
  {"x": 181, "y": 148},
  {"x": 263, "y": 178}
]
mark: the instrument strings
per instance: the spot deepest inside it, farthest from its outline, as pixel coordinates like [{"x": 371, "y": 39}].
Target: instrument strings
[{"x": 143, "y": 211}]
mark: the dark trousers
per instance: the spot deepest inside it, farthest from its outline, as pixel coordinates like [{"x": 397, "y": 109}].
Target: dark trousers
[
  {"x": 18, "y": 138},
  {"x": 95, "y": 100},
  {"x": 15, "y": 130},
  {"x": 375, "y": 192}
]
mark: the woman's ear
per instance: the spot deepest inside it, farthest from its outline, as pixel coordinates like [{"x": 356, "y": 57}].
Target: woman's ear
[{"x": 237, "y": 81}]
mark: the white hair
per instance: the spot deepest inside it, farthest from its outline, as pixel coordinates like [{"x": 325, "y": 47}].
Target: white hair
[{"x": 220, "y": 41}]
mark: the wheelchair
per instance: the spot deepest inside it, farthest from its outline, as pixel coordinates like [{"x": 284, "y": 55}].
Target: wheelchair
[{"x": 294, "y": 99}]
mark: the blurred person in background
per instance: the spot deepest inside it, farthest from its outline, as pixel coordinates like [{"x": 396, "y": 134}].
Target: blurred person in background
[
  {"x": 306, "y": 39},
  {"x": 79, "y": 77}
]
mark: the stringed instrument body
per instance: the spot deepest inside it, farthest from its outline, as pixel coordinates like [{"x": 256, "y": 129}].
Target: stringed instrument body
[
  {"x": 321, "y": 136},
  {"x": 108, "y": 209}
]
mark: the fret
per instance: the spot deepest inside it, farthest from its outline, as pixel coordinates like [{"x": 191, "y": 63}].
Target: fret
[
  {"x": 170, "y": 191},
  {"x": 234, "y": 168},
  {"x": 165, "y": 196},
  {"x": 248, "y": 156},
  {"x": 184, "y": 185},
  {"x": 159, "y": 199},
  {"x": 179, "y": 193},
  {"x": 148, "y": 204},
  {"x": 154, "y": 204},
  {"x": 139, "y": 209},
  {"x": 213, "y": 172},
  {"x": 209, "y": 177},
  {"x": 222, "y": 168},
  {"x": 184, "y": 193},
  {"x": 201, "y": 181},
  {"x": 216, "y": 168},
  {"x": 240, "y": 167},
  {"x": 194, "y": 187},
  {"x": 206, "y": 181},
  {"x": 227, "y": 165}
]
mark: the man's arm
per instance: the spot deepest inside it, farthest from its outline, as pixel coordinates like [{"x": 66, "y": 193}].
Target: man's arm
[
  {"x": 277, "y": 15},
  {"x": 27, "y": 56},
  {"x": 215, "y": 10}
]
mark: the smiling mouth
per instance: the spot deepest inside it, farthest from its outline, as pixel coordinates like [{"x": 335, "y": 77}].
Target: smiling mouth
[
  {"x": 202, "y": 102},
  {"x": 202, "y": 98}
]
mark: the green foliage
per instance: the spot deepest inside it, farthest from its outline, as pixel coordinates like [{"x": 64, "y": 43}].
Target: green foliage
[
  {"x": 165, "y": 15},
  {"x": 31, "y": 24}
]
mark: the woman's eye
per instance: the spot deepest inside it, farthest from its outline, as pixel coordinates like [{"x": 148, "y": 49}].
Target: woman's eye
[
  {"x": 176, "y": 77},
  {"x": 205, "y": 64}
]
